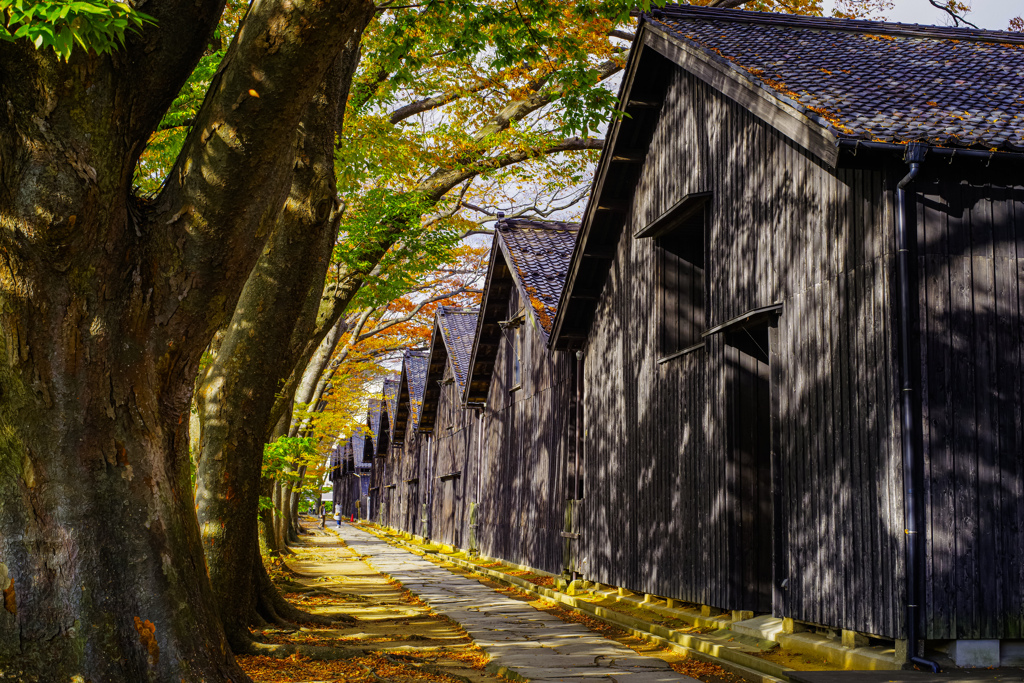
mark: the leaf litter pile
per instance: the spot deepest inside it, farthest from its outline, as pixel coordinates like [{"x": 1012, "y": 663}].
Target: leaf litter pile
[{"x": 396, "y": 637}]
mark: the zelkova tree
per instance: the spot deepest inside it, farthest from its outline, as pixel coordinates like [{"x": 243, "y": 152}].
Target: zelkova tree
[
  {"x": 446, "y": 93},
  {"x": 285, "y": 311},
  {"x": 347, "y": 368},
  {"x": 108, "y": 301}
]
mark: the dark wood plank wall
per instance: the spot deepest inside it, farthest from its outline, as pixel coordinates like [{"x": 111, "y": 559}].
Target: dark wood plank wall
[
  {"x": 381, "y": 449},
  {"x": 454, "y": 449},
  {"x": 971, "y": 270},
  {"x": 675, "y": 504},
  {"x": 350, "y": 493},
  {"x": 406, "y": 509},
  {"x": 527, "y": 443},
  {"x": 663, "y": 514},
  {"x": 377, "y": 498}
]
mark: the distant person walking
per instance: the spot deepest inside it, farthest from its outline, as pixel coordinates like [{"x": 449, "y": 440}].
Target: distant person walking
[{"x": 323, "y": 516}]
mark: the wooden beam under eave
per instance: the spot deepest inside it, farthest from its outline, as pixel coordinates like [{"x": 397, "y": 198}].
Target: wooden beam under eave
[
  {"x": 644, "y": 104},
  {"x": 629, "y": 156}
]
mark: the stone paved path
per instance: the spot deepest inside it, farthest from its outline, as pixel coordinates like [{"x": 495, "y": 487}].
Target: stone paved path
[{"x": 534, "y": 644}]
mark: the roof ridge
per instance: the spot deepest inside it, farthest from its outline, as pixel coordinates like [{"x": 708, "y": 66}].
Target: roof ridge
[
  {"x": 836, "y": 24},
  {"x": 561, "y": 226},
  {"x": 458, "y": 309}
]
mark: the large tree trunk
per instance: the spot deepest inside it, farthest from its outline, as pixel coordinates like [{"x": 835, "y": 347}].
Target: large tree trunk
[
  {"x": 241, "y": 383},
  {"x": 106, "y": 306}
]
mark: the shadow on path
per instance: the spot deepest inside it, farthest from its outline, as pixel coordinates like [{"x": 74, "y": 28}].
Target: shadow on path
[{"x": 527, "y": 641}]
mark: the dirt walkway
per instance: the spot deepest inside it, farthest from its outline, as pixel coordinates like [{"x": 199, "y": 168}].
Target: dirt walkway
[{"x": 397, "y": 638}]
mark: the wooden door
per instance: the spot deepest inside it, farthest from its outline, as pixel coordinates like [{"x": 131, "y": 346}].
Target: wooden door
[{"x": 749, "y": 467}]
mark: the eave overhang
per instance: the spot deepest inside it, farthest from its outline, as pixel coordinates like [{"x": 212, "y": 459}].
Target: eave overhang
[{"x": 641, "y": 97}]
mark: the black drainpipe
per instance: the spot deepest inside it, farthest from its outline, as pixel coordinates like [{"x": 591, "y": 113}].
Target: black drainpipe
[{"x": 914, "y": 155}]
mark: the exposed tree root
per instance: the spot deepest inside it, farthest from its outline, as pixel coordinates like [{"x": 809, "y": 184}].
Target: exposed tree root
[
  {"x": 374, "y": 674},
  {"x": 283, "y": 650},
  {"x": 270, "y": 602}
]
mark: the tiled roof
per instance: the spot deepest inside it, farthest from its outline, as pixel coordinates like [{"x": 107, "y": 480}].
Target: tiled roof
[
  {"x": 373, "y": 413},
  {"x": 539, "y": 254},
  {"x": 358, "y": 444},
  {"x": 416, "y": 375},
  {"x": 391, "y": 399},
  {"x": 871, "y": 80},
  {"x": 458, "y": 326}
]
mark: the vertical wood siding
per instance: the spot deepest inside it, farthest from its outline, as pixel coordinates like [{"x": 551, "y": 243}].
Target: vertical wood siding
[
  {"x": 454, "y": 450},
  {"x": 668, "y": 490},
  {"x": 680, "y": 497},
  {"x": 526, "y": 446},
  {"x": 970, "y": 270}
]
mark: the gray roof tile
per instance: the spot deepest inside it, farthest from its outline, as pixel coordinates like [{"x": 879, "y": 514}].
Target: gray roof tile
[
  {"x": 373, "y": 412},
  {"x": 539, "y": 252},
  {"x": 416, "y": 374},
  {"x": 872, "y": 80},
  {"x": 458, "y": 327},
  {"x": 391, "y": 400}
]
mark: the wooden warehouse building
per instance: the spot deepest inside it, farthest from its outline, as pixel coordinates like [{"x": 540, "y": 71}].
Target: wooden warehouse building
[
  {"x": 351, "y": 479},
  {"x": 772, "y": 395},
  {"x": 526, "y": 393},
  {"x": 401, "y": 463},
  {"x": 381, "y": 448},
  {"x": 450, "y": 469}
]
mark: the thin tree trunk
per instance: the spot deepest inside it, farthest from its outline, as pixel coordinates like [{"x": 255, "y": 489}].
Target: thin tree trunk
[{"x": 314, "y": 368}]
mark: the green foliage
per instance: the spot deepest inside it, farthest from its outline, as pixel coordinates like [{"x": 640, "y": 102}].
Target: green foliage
[
  {"x": 282, "y": 458},
  {"x": 167, "y": 141},
  {"x": 97, "y": 25},
  {"x": 552, "y": 41},
  {"x": 422, "y": 246}
]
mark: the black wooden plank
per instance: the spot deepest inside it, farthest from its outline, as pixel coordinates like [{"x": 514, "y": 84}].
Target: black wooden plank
[
  {"x": 964, "y": 427},
  {"x": 843, "y": 454},
  {"x": 988, "y": 607}
]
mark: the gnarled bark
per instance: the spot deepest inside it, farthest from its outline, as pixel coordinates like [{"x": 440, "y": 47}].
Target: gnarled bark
[
  {"x": 273, "y": 317},
  {"x": 106, "y": 305}
]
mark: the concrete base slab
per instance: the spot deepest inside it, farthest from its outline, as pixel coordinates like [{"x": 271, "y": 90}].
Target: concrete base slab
[
  {"x": 841, "y": 657},
  {"x": 975, "y": 654},
  {"x": 765, "y": 627},
  {"x": 730, "y": 635}
]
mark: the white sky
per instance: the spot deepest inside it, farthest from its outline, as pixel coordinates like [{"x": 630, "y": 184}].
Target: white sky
[{"x": 990, "y": 14}]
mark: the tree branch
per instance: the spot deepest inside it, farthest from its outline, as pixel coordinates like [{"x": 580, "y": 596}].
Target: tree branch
[
  {"x": 444, "y": 180},
  {"x": 428, "y": 103},
  {"x": 391, "y": 322},
  {"x": 953, "y": 9},
  {"x": 234, "y": 171}
]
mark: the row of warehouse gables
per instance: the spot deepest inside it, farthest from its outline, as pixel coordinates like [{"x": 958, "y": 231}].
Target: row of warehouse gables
[{"x": 697, "y": 392}]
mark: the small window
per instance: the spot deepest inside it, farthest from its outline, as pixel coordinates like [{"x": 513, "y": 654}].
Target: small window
[{"x": 680, "y": 255}]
